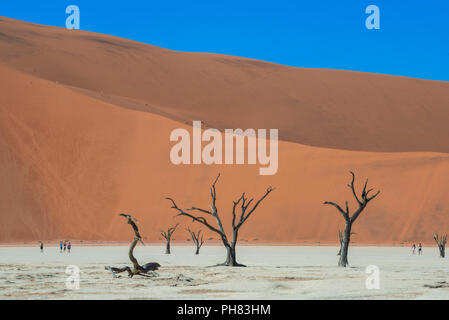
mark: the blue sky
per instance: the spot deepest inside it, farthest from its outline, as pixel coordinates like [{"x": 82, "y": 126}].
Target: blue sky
[{"x": 413, "y": 39}]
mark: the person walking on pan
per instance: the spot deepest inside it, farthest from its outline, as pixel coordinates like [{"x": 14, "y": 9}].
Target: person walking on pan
[
  {"x": 60, "y": 246},
  {"x": 69, "y": 246},
  {"x": 420, "y": 248},
  {"x": 65, "y": 245},
  {"x": 413, "y": 248},
  {"x": 42, "y": 247}
]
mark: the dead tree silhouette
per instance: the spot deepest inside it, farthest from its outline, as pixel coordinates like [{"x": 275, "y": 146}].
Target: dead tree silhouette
[
  {"x": 197, "y": 241},
  {"x": 167, "y": 235},
  {"x": 146, "y": 270},
  {"x": 237, "y": 222},
  {"x": 441, "y": 243},
  {"x": 350, "y": 218}
]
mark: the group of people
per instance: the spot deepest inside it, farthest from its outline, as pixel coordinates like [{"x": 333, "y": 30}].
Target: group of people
[
  {"x": 419, "y": 248},
  {"x": 65, "y": 246}
]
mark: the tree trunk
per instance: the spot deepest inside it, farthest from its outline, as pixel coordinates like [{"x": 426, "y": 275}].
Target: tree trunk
[
  {"x": 231, "y": 260},
  {"x": 197, "y": 250},
  {"x": 132, "y": 258},
  {"x": 441, "y": 242},
  {"x": 343, "y": 262},
  {"x": 167, "y": 249},
  {"x": 441, "y": 248},
  {"x": 340, "y": 238}
]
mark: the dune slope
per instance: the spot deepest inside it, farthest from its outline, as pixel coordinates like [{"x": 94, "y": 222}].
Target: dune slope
[
  {"x": 324, "y": 108},
  {"x": 70, "y": 163},
  {"x": 85, "y": 121}
]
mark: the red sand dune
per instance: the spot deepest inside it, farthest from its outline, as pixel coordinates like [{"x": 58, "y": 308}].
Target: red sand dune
[{"x": 84, "y": 134}]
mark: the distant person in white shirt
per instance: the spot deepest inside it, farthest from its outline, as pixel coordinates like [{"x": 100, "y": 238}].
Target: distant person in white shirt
[{"x": 413, "y": 248}]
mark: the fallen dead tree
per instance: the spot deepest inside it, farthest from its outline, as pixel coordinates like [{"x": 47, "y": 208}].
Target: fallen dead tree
[{"x": 147, "y": 270}]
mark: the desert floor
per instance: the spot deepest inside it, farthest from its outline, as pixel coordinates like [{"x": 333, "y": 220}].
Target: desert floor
[{"x": 273, "y": 272}]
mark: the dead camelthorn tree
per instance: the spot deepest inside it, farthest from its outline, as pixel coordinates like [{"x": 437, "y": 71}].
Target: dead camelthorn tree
[
  {"x": 237, "y": 221},
  {"x": 441, "y": 243},
  {"x": 350, "y": 218},
  {"x": 137, "y": 268},
  {"x": 167, "y": 235},
  {"x": 197, "y": 240}
]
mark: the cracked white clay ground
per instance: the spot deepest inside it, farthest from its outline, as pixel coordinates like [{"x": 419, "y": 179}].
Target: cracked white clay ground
[{"x": 273, "y": 272}]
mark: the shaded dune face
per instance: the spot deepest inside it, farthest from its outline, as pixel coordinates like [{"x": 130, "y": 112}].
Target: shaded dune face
[{"x": 85, "y": 121}]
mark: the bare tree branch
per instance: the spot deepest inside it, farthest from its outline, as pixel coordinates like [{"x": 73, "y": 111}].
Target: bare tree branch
[
  {"x": 167, "y": 234},
  {"x": 344, "y": 213},
  {"x": 351, "y": 186},
  {"x": 201, "y": 220},
  {"x": 243, "y": 218},
  {"x": 200, "y": 210}
]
